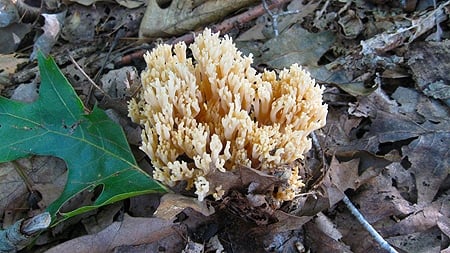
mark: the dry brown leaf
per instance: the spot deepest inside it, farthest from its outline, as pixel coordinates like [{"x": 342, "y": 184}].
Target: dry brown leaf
[
  {"x": 130, "y": 231},
  {"x": 344, "y": 175},
  {"x": 429, "y": 64},
  {"x": 296, "y": 45},
  {"x": 418, "y": 221},
  {"x": 261, "y": 182},
  {"x": 429, "y": 171},
  {"x": 13, "y": 192},
  {"x": 421, "y": 242},
  {"x": 49, "y": 193},
  {"x": 287, "y": 222},
  {"x": 173, "y": 204},
  {"x": 379, "y": 199},
  {"x": 444, "y": 225},
  {"x": 321, "y": 241},
  {"x": 12, "y": 35},
  {"x": 9, "y": 63},
  {"x": 105, "y": 217},
  {"x": 52, "y": 28},
  {"x": 355, "y": 169}
]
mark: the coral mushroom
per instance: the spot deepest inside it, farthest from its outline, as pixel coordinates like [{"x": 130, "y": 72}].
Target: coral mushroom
[{"x": 215, "y": 112}]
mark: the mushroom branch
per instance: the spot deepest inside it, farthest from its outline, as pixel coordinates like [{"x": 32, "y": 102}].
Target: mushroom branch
[{"x": 213, "y": 113}]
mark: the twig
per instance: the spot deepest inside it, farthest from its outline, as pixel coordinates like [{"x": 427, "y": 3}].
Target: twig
[
  {"x": 275, "y": 16},
  {"x": 317, "y": 146},
  {"x": 223, "y": 28},
  {"x": 21, "y": 233},
  {"x": 119, "y": 34},
  {"x": 86, "y": 75},
  {"x": 385, "y": 245},
  {"x": 438, "y": 34},
  {"x": 322, "y": 11}
]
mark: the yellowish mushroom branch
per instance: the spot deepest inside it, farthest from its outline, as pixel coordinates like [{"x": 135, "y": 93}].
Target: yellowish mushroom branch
[{"x": 214, "y": 112}]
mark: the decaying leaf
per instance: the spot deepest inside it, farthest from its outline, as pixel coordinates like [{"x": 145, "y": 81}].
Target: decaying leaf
[
  {"x": 79, "y": 25},
  {"x": 319, "y": 239},
  {"x": 422, "y": 153},
  {"x": 13, "y": 191},
  {"x": 130, "y": 231},
  {"x": 12, "y": 35},
  {"x": 173, "y": 204},
  {"x": 8, "y": 13},
  {"x": 296, "y": 45},
  {"x": 419, "y": 242},
  {"x": 428, "y": 61},
  {"x": 52, "y": 29}
]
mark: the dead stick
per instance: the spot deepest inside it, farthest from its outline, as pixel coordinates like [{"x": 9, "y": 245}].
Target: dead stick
[
  {"x": 223, "y": 28},
  {"x": 86, "y": 75},
  {"x": 380, "y": 240},
  {"x": 385, "y": 245}
]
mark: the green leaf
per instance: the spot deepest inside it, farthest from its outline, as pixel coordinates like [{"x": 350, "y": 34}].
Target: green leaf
[{"x": 93, "y": 146}]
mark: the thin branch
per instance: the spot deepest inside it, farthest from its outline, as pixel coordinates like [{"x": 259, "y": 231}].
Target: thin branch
[
  {"x": 385, "y": 245},
  {"x": 380, "y": 240},
  {"x": 275, "y": 17},
  {"x": 86, "y": 75}
]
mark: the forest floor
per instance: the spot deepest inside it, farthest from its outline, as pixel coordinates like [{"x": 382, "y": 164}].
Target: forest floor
[{"x": 385, "y": 68}]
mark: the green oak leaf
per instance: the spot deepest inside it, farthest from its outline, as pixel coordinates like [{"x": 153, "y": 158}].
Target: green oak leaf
[{"x": 94, "y": 147}]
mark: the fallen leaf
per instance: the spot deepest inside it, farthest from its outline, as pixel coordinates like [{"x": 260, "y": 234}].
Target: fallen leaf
[
  {"x": 52, "y": 29},
  {"x": 418, "y": 221},
  {"x": 9, "y": 63},
  {"x": 173, "y": 204},
  {"x": 344, "y": 175},
  {"x": 13, "y": 191},
  {"x": 321, "y": 241},
  {"x": 420, "y": 242},
  {"x": 379, "y": 199},
  {"x": 296, "y": 45},
  {"x": 130, "y": 231},
  {"x": 429, "y": 66},
  {"x": 125, "y": 3},
  {"x": 12, "y": 35},
  {"x": 286, "y": 222},
  {"x": 428, "y": 171},
  {"x": 8, "y": 13},
  {"x": 387, "y": 41},
  {"x": 80, "y": 24}
]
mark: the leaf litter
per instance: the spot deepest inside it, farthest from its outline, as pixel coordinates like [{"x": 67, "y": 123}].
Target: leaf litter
[{"x": 385, "y": 144}]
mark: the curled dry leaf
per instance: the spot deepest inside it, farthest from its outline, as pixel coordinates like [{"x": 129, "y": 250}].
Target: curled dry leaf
[
  {"x": 130, "y": 231},
  {"x": 173, "y": 204},
  {"x": 52, "y": 28}
]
